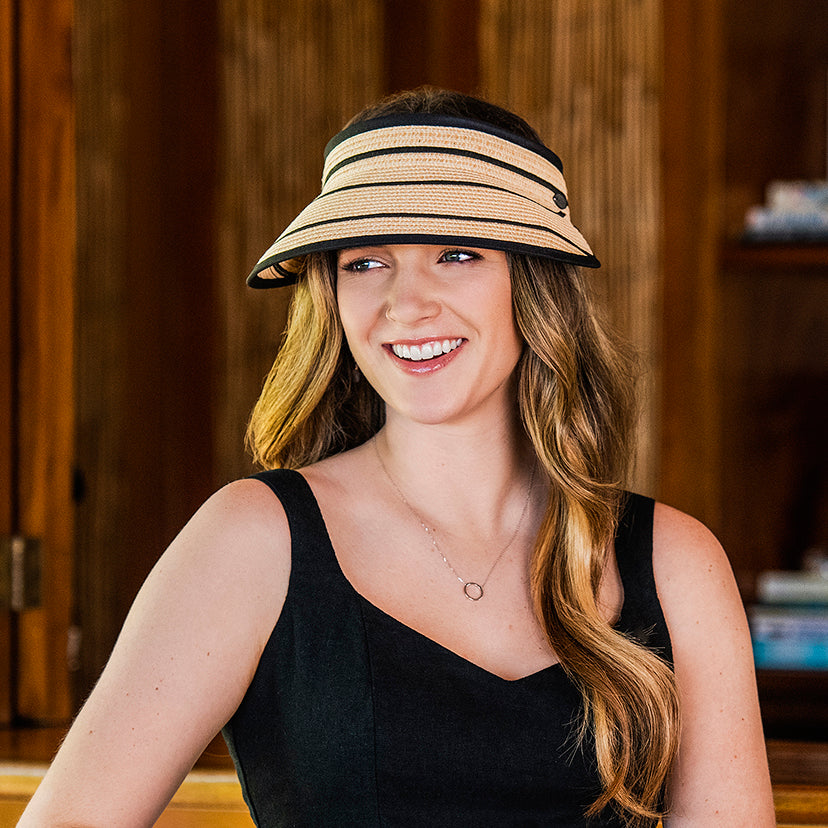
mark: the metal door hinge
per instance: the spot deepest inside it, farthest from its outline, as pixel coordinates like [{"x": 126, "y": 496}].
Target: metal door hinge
[{"x": 20, "y": 565}]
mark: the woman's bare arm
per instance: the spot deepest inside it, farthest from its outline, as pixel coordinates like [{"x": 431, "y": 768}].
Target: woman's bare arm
[
  {"x": 182, "y": 663},
  {"x": 721, "y": 776}
]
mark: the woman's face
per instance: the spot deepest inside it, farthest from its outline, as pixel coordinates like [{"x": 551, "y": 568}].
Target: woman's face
[{"x": 431, "y": 328}]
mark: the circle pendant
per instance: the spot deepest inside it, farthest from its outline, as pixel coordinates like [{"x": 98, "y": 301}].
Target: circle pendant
[{"x": 473, "y": 591}]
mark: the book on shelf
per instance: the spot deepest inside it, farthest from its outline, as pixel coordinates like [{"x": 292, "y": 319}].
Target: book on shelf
[
  {"x": 794, "y": 211},
  {"x": 789, "y": 622},
  {"x": 792, "y": 587},
  {"x": 791, "y": 638}
]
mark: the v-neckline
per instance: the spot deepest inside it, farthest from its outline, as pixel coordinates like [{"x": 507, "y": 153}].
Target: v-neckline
[
  {"x": 447, "y": 652},
  {"x": 367, "y": 603}
]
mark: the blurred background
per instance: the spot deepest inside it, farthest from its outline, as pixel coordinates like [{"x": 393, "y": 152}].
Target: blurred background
[{"x": 149, "y": 153}]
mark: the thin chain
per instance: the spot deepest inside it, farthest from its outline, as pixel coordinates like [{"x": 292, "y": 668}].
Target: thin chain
[{"x": 471, "y": 589}]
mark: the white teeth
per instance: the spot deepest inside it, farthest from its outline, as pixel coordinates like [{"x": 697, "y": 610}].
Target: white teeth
[{"x": 428, "y": 350}]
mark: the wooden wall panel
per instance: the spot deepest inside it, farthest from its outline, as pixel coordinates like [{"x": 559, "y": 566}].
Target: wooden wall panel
[
  {"x": 7, "y": 319},
  {"x": 44, "y": 278},
  {"x": 431, "y": 42},
  {"x": 147, "y": 102},
  {"x": 103, "y": 419},
  {"x": 291, "y": 74},
  {"x": 692, "y": 121},
  {"x": 587, "y": 75}
]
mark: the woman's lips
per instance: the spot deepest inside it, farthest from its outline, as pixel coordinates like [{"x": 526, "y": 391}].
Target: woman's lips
[
  {"x": 425, "y": 350},
  {"x": 424, "y": 355}
]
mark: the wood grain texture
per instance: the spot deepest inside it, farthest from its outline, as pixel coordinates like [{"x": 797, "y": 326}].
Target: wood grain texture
[
  {"x": 801, "y": 805},
  {"x": 214, "y": 799},
  {"x": 291, "y": 76},
  {"x": 692, "y": 142},
  {"x": 432, "y": 42},
  {"x": 773, "y": 358},
  {"x": 587, "y": 76},
  {"x": 147, "y": 97},
  {"x": 104, "y": 420},
  {"x": 8, "y": 320},
  {"x": 45, "y": 287}
]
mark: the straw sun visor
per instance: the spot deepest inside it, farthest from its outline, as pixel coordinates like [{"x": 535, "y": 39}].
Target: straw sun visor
[{"x": 431, "y": 179}]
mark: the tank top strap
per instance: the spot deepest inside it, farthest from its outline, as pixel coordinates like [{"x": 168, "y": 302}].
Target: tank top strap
[
  {"x": 302, "y": 738},
  {"x": 641, "y": 615},
  {"x": 312, "y": 549}
]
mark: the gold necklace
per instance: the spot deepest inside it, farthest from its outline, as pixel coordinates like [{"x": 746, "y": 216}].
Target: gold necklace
[{"x": 473, "y": 590}]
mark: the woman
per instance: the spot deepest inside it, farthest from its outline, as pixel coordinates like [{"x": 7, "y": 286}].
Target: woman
[{"x": 450, "y": 613}]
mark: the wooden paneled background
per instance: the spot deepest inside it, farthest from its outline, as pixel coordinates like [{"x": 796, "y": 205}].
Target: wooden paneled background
[
  {"x": 200, "y": 129},
  {"x": 161, "y": 147}
]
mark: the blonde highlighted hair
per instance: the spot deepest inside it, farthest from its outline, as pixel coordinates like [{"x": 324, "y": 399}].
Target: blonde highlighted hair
[{"x": 576, "y": 405}]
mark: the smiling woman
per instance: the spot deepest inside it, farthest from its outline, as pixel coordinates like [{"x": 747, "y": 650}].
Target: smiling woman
[{"x": 437, "y": 605}]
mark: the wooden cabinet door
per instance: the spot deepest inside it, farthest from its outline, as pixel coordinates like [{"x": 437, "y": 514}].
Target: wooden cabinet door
[
  {"x": 6, "y": 342},
  {"x": 37, "y": 270}
]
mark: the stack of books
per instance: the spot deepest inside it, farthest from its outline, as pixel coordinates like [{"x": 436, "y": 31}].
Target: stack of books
[
  {"x": 789, "y": 622},
  {"x": 794, "y": 211}
]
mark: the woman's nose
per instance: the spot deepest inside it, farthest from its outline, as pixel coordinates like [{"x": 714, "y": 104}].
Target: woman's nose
[{"x": 411, "y": 297}]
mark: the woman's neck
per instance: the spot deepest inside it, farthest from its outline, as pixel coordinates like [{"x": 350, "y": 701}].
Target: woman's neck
[{"x": 462, "y": 479}]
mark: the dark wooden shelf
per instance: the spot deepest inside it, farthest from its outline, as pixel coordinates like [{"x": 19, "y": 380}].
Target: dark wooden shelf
[
  {"x": 740, "y": 256},
  {"x": 793, "y": 704},
  {"x": 798, "y": 763}
]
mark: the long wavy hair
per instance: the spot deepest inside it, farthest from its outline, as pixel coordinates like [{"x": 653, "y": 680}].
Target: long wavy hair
[{"x": 576, "y": 404}]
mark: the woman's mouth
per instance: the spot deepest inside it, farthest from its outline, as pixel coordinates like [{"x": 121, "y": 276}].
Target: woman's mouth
[{"x": 425, "y": 350}]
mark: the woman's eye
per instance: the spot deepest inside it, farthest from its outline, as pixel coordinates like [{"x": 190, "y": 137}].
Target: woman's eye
[
  {"x": 360, "y": 265},
  {"x": 459, "y": 256}
]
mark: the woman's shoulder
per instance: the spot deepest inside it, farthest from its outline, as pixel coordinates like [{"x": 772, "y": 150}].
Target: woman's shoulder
[
  {"x": 684, "y": 546},
  {"x": 696, "y": 585},
  {"x": 241, "y": 509},
  {"x": 241, "y": 536}
]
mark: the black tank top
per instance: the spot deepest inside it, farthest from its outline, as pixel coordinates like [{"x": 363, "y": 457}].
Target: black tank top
[{"x": 354, "y": 719}]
